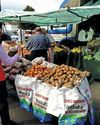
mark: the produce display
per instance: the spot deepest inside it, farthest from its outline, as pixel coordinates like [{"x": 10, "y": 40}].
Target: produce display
[
  {"x": 76, "y": 50},
  {"x": 12, "y": 51},
  {"x": 59, "y": 76},
  {"x": 57, "y": 49},
  {"x": 19, "y": 68},
  {"x": 37, "y": 70},
  {"x": 97, "y": 56},
  {"x": 94, "y": 43},
  {"x": 88, "y": 57}
]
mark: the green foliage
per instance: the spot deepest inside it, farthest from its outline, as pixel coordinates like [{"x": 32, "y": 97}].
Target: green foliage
[
  {"x": 29, "y": 8},
  {"x": 29, "y": 26}
]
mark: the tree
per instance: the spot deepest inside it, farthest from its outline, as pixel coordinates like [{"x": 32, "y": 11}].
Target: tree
[
  {"x": 29, "y": 26},
  {"x": 29, "y": 8}
]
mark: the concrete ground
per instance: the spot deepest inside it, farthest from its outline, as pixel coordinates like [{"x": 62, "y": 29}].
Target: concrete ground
[
  {"x": 22, "y": 117},
  {"x": 95, "y": 89}
]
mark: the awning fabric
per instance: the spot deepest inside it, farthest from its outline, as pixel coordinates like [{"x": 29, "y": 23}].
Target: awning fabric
[
  {"x": 15, "y": 13},
  {"x": 90, "y": 3},
  {"x": 62, "y": 16},
  {"x": 96, "y": 3}
]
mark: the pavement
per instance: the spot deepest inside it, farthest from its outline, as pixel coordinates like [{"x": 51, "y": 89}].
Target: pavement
[
  {"x": 95, "y": 90},
  {"x": 23, "y": 117}
]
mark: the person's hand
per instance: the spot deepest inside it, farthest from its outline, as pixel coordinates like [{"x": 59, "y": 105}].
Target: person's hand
[
  {"x": 49, "y": 59},
  {"x": 20, "y": 48}
]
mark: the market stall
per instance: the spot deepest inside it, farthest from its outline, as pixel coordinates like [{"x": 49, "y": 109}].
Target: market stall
[
  {"x": 67, "y": 52},
  {"x": 49, "y": 90},
  {"x": 91, "y": 58}
]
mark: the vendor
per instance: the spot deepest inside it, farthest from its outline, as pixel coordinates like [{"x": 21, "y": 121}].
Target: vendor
[
  {"x": 65, "y": 56},
  {"x": 5, "y": 59},
  {"x": 39, "y": 45}
]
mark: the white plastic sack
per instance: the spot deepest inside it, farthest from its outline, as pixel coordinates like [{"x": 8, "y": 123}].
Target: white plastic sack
[
  {"x": 38, "y": 60},
  {"x": 40, "y": 102},
  {"x": 24, "y": 86},
  {"x": 65, "y": 101},
  {"x": 76, "y": 100},
  {"x": 56, "y": 102},
  {"x": 40, "y": 97},
  {"x": 85, "y": 90},
  {"x": 48, "y": 65}
]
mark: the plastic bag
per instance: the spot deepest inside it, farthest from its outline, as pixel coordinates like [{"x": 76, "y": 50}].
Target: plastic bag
[
  {"x": 56, "y": 102},
  {"x": 40, "y": 102},
  {"x": 78, "y": 105},
  {"x": 24, "y": 89}
]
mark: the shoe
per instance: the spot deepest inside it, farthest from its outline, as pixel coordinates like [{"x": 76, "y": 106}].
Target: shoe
[{"x": 12, "y": 123}]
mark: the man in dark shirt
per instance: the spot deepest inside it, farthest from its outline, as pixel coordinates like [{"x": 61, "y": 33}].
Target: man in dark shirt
[
  {"x": 65, "y": 56},
  {"x": 39, "y": 45}
]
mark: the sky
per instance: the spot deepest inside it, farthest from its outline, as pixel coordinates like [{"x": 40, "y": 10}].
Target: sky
[{"x": 38, "y": 5}]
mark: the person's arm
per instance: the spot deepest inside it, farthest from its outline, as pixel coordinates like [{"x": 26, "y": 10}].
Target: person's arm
[
  {"x": 7, "y": 60},
  {"x": 49, "y": 49},
  {"x": 49, "y": 54}
]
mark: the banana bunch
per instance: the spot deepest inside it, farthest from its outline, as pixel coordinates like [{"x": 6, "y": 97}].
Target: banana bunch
[
  {"x": 76, "y": 50},
  {"x": 20, "y": 43},
  {"x": 57, "y": 49}
]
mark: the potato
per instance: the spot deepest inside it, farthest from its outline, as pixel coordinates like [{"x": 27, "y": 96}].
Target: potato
[
  {"x": 68, "y": 85},
  {"x": 18, "y": 65},
  {"x": 13, "y": 71},
  {"x": 6, "y": 70}
]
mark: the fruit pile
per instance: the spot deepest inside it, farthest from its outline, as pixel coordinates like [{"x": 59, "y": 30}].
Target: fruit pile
[
  {"x": 19, "y": 68},
  {"x": 59, "y": 76},
  {"x": 65, "y": 76},
  {"x": 76, "y": 50},
  {"x": 36, "y": 70}
]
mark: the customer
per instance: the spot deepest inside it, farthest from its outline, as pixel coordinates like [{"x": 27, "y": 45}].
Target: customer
[
  {"x": 39, "y": 45},
  {"x": 5, "y": 59}
]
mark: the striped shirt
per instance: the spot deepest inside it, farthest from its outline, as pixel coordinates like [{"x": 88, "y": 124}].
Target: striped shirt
[{"x": 38, "y": 42}]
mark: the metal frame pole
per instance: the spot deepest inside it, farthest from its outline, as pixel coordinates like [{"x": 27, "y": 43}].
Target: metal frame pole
[
  {"x": 0, "y": 5},
  {"x": 0, "y": 10}
]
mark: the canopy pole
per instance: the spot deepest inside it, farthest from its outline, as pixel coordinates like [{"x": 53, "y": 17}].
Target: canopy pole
[
  {"x": 66, "y": 30},
  {"x": 0, "y": 5},
  {"x": 20, "y": 30},
  {"x": 20, "y": 33},
  {"x": 0, "y": 10},
  {"x": 81, "y": 19},
  {"x": 47, "y": 28}
]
